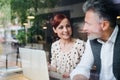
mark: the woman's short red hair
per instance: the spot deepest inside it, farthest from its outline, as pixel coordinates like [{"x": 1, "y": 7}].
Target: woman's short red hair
[{"x": 57, "y": 20}]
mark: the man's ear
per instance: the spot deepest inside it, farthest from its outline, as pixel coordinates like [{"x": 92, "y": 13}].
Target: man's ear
[
  {"x": 105, "y": 25},
  {"x": 54, "y": 30}
]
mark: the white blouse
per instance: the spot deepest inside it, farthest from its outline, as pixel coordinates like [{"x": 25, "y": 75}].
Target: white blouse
[{"x": 67, "y": 61}]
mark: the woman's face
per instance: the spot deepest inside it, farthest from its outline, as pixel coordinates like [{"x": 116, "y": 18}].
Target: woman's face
[{"x": 64, "y": 30}]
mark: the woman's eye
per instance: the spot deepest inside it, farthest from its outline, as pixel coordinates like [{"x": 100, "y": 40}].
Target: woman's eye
[
  {"x": 61, "y": 27},
  {"x": 68, "y": 26}
]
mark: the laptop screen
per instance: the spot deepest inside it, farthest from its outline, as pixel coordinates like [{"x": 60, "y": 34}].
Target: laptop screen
[{"x": 34, "y": 64}]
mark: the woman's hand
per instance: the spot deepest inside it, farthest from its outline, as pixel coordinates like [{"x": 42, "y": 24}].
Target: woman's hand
[
  {"x": 51, "y": 68},
  {"x": 48, "y": 66}
]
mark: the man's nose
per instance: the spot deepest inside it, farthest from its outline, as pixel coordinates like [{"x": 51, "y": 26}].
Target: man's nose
[{"x": 84, "y": 28}]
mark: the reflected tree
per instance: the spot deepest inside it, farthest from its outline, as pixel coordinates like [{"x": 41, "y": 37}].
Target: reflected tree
[{"x": 24, "y": 8}]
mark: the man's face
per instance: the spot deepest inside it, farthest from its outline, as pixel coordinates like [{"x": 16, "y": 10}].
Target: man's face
[{"x": 92, "y": 25}]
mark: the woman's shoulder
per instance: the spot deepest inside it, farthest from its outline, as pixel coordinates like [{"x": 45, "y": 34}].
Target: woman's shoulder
[
  {"x": 79, "y": 41},
  {"x": 55, "y": 43}
]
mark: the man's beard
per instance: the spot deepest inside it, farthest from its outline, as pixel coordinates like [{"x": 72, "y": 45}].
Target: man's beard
[{"x": 93, "y": 36}]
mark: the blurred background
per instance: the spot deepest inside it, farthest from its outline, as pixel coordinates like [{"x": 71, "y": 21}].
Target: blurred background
[{"x": 26, "y": 23}]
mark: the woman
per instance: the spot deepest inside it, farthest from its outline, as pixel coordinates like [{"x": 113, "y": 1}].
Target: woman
[{"x": 67, "y": 51}]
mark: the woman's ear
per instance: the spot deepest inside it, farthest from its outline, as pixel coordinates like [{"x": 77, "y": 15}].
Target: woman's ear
[{"x": 54, "y": 30}]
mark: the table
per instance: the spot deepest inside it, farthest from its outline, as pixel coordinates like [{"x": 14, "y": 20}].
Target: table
[
  {"x": 57, "y": 76},
  {"x": 14, "y": 76}
]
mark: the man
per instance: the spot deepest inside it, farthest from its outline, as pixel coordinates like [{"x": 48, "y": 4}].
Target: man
[{"x": 103, "y": 44}]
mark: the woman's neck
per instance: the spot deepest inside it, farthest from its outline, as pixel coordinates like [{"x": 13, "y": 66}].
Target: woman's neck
[
  {"x": 66, "y": 45},
  {"x": 66, "y": 42}
]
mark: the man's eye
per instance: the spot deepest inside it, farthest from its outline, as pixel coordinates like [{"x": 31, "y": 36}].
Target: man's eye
[{"x": 87, "y": 23}]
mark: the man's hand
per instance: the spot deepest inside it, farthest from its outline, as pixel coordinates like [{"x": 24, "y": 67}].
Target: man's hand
[
  {"x": 80, "y": 77},
  {"x": 66, "y": 75}
]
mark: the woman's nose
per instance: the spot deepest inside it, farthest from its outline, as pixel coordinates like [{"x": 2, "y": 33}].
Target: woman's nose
[{"x": 65, "y": 29}]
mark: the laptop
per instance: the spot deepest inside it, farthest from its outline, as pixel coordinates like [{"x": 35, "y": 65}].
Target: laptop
[{"x": 34, "y": 64}]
